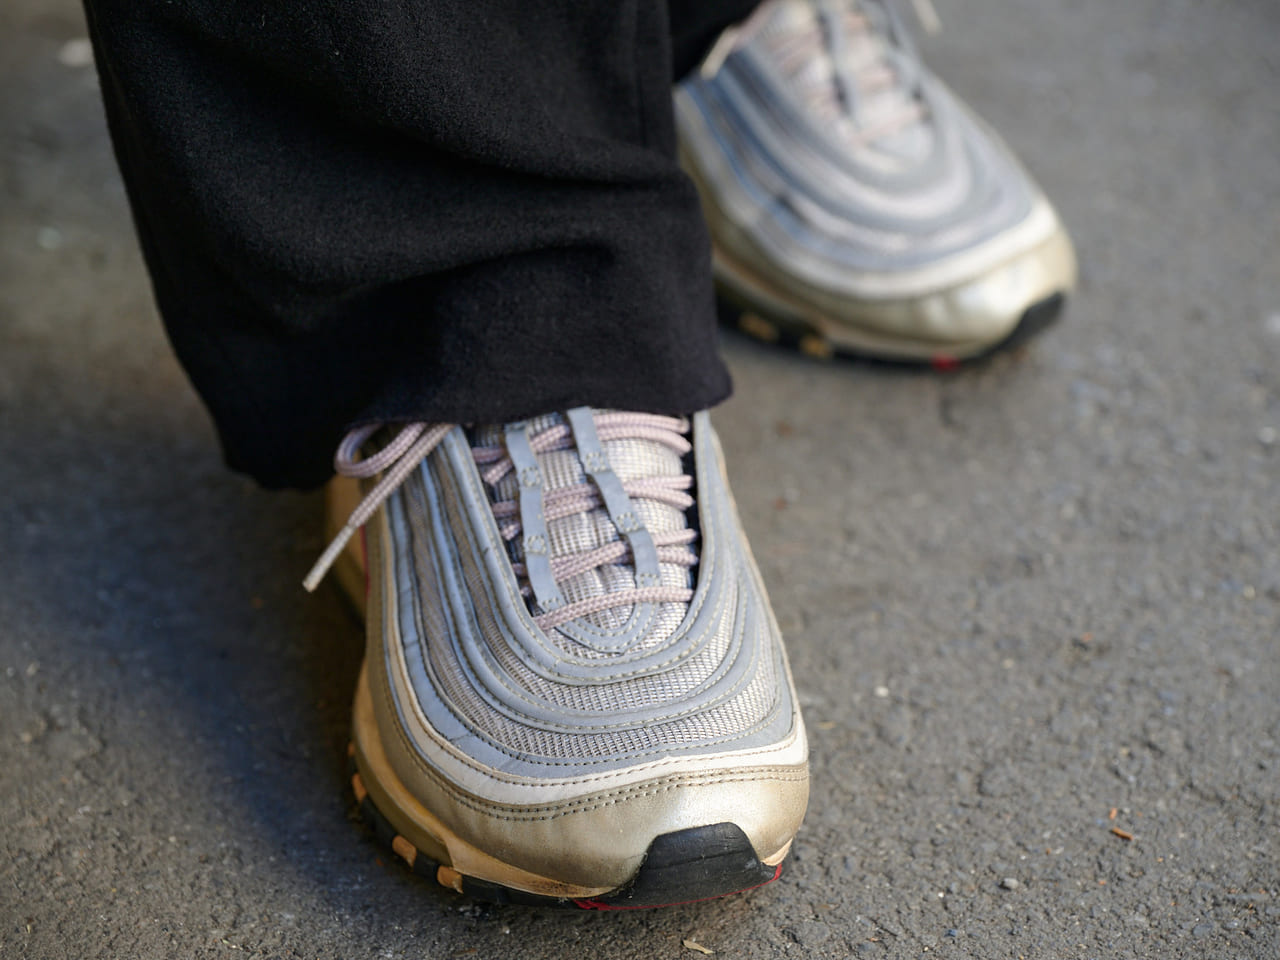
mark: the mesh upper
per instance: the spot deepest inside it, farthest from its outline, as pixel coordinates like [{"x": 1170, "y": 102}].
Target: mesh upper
[{"x": 714, "y": 680}]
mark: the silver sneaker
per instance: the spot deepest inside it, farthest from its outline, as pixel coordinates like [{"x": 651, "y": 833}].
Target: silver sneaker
[
  {"x": 854, "y": 202},
  {"x": 574, "y": 689}
]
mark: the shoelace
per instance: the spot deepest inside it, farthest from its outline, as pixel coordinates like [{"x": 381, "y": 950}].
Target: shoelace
[
  {"x": 841, "y": 28},
  {"x": 415, "y": 442}
]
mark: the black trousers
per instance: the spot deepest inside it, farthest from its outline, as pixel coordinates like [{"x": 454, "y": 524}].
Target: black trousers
[{"x": 457, "y": 210}]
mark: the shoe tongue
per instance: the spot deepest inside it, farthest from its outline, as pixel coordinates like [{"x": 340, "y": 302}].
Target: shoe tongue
[
  {"x": 799, "y": 41},
  {"x": 631, "y": 459}
]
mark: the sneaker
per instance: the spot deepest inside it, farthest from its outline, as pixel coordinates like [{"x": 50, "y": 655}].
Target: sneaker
[
  {"x": 574, "y": 690},
  {"x": 855, "y": 204}
]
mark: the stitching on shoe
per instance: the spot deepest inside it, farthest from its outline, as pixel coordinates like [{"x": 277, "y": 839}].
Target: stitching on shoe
[
  {"x": 415, "y": 756},
  {"x": 721, "y": 598},
  {"x": 725, "y": 665},
  {"x": 472, "y": 477},
  {"x": 523, "y": 696},
  {"x": 598, "y": 801},
  {"x": 768, "y": 718},
  {"x": 621, "y": 796}
]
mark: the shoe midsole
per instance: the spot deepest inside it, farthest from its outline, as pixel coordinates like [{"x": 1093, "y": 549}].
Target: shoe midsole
[{"x": 857, "y": 324}]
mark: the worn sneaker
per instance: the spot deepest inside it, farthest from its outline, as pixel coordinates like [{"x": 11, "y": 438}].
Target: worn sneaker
[
  {"x": 574, "y": 688},
  {"x": 855, "y": 204}
]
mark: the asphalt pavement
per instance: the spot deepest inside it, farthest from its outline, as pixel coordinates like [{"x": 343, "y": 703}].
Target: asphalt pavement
[{"x": 1033, "y": 607}]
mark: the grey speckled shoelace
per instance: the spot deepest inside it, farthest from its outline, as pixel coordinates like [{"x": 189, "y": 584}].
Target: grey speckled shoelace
[{"x": 541, "y": 571}]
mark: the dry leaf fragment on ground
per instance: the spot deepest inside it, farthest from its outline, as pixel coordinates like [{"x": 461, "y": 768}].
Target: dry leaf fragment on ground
[{"x": 695, "y": 945}]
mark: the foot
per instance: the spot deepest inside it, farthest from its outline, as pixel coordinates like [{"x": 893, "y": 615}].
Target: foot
[
  {"x": 574, "y": 689},
  {"x": 855, "y": 204}
]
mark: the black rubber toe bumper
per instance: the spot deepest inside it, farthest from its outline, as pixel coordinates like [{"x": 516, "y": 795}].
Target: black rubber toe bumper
[{"x": 700, "y": 863}]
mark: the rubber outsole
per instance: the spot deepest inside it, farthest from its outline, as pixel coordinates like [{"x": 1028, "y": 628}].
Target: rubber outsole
[
  {"x": 687, "y": 866},
  {"x": 797, "y": 334}
]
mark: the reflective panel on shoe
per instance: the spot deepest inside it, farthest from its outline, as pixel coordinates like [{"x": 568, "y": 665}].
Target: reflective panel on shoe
[
  {"x": 574, "y": 688},
  {"x": 852, "y": 197}
]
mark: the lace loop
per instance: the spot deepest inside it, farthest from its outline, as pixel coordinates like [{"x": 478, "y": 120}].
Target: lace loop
[
  {"x": 422, "y": 439},
  {"x": 348, "y": 462},
  {"x": 415, "y": 442}
]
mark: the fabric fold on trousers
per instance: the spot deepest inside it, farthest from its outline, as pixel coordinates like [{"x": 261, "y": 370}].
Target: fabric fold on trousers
[{"x": 456, "y": 210}]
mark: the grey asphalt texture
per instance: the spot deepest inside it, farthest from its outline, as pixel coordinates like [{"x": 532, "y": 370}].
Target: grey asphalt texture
[{"x": 1026, "y": 603}]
